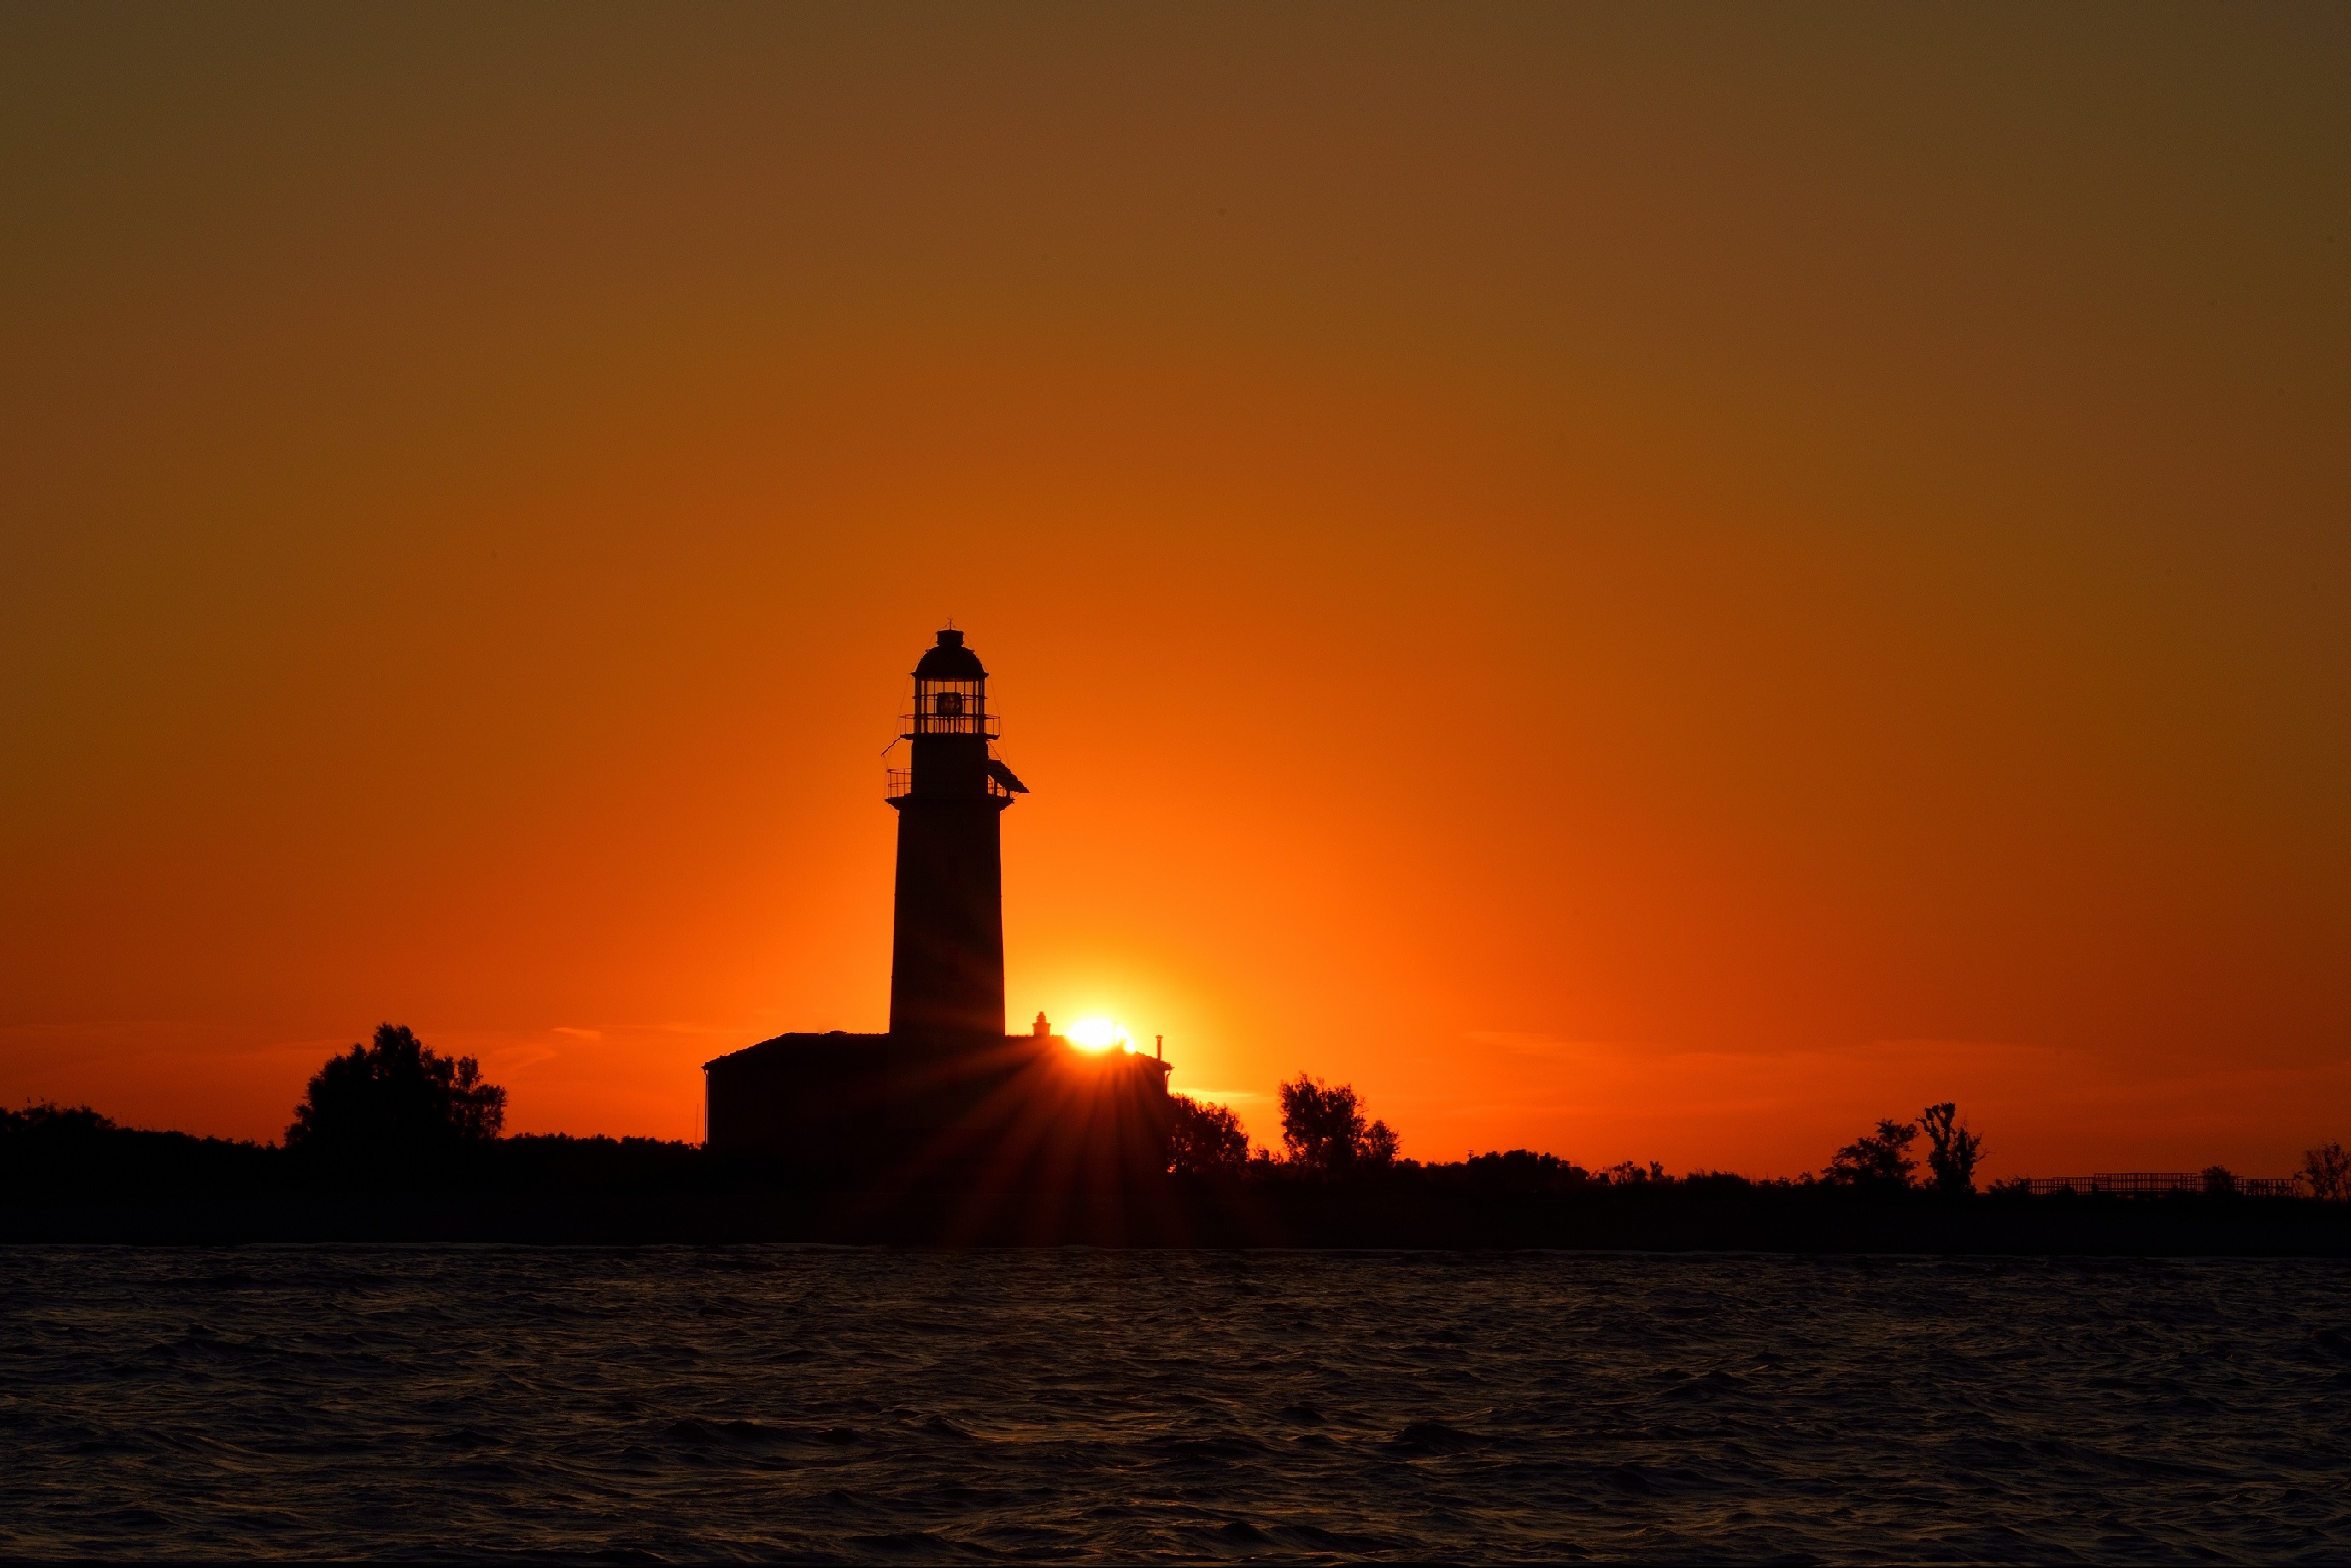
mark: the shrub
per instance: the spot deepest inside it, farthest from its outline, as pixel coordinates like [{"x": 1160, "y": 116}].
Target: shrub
[
  {"x": 47, "y": 1124},
  {"x": 1523, "y": 1171}
]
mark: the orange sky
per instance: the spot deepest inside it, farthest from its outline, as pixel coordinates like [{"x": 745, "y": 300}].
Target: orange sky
[{"x": 1650, "y": 583}]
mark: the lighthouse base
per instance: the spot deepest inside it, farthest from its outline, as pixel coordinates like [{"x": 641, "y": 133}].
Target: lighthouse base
[{"x": 1022, "y": 1113}]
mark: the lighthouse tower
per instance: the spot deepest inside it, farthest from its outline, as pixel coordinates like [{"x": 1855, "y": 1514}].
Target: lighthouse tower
[
  {"x": 946, "y": 1101},
  {"x": 946, "y": 951}
]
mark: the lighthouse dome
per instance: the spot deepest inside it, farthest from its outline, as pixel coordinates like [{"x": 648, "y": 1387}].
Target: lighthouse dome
[{"x": 950, "y": 660}]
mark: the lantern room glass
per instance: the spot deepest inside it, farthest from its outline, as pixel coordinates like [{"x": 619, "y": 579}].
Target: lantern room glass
[{"x": 950, "y": 708}]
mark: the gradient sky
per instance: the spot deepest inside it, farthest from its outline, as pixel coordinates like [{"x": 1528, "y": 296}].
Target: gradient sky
[{"x": 1650, "y": 581}]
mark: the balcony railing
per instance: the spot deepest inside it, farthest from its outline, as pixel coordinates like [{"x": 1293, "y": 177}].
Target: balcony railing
[
  {"x": 899, "y": 782},
  {"x": 2152, "y": 1181},
  {"x": 991, "y": 725}
]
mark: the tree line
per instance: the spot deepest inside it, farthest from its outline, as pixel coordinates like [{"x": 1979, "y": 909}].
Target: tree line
[
  {"x": 1325, "y": 1134},
  {"x": 392, "y": 1097}
]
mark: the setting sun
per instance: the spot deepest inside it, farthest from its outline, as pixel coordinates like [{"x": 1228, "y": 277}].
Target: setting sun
[
  {"x": 1100, "y": 1034},
  {"x": 1743, "y": 453}
]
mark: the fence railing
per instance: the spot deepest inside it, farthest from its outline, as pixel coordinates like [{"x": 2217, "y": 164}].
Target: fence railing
[{"x": 2150, "y": 1181}]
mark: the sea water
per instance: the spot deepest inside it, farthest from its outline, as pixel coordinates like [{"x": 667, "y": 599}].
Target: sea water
[{"x": 763, "y": 1402}]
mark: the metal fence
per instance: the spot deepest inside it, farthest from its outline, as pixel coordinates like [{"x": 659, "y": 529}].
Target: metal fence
[{"x": 2153, "y": 1182}]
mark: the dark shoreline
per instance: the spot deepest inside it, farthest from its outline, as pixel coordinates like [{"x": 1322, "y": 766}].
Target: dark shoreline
[
  {"x": 77, "y": 1180},
  {"x": 1219, "y": 1216}
]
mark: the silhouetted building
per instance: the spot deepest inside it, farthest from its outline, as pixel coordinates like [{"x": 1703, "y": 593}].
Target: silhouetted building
[{"x": 946, "y": 1092}]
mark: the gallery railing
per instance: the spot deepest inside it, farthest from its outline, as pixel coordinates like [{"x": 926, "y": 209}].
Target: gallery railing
[
  {"x": 899, "y": 782},
  {"x": 964, "y": 723}
]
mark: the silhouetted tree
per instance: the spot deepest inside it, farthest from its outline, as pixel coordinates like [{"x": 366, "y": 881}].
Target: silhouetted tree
[
  {"x": 1953, "y": 1149},
  {"x": 1205, "y": 1137},
  {"x": 1625, "y": 1173},
  {"x": 2326, "y": 1170},
  {"x": 1323, "y": 1130},
  {"x": 396, "y": 1096},
  {"x": 2219, "y": 1179},
  {"x": 1881, "y": 1158}
]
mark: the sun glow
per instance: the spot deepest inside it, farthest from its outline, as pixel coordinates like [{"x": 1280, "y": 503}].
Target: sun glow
[{"x": 1100, "y": 1034}]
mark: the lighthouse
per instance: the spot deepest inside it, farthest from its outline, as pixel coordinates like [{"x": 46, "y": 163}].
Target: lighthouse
[
  {"x": 946, "y": 946},
  {"x": 946, "y": 1100}
]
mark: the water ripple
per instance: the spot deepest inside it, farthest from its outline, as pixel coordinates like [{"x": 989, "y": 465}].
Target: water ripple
[{"x": 761, "y": 1402}]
